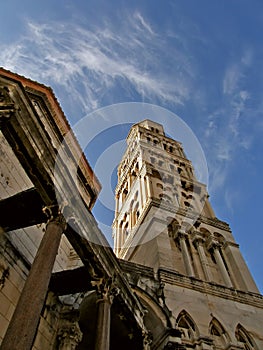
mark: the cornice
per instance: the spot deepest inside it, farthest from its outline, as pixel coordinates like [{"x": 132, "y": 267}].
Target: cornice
[{"x": 174, "y": 278}]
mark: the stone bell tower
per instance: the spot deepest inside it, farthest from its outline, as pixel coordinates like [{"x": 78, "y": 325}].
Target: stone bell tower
[
  {"x": 163, "y": 215},
  {"x": 181, "y": 260}
]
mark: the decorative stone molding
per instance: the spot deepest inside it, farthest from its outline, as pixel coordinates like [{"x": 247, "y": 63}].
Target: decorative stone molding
[
  {"x": 197, "y": 238},
  {"x": 106, "y": 289},
  {"x": 7, "y": 106},
  {"x": 212, "y": 243},
  {"x": 4, "y": 273},
  {"x": 147, "y": 339},
  {"x": 174, "y": 346},
  {"x": 54, "y": 215},
  {"x": 69, "y": 334}
]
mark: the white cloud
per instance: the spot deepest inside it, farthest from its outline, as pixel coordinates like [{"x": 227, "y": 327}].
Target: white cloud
[
  {"x": 87, "y": 63},
  {"x": 225, "y": 132},
  {"x": 143, "y": 23},
  {"x": 231, "y": 79}
]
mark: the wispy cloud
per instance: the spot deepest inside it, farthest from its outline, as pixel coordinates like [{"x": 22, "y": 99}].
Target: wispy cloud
[
  {"x": 226, "y": 124},
  {"x": 144, "y": 25},
  {"x": 91, "y": 63}
]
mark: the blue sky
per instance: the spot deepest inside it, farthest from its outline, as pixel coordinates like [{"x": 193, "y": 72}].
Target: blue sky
[{"x": 201, "y": 60}]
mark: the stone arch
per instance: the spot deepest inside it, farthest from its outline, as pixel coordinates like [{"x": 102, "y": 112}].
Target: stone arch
[
  {"x": 173, "y": 226},
  {"x": 218, "y": 333},
  {"x": 220, "y": 238},
  {"x": 187, "y": 326},
  {"x": 205, "y": 232},
  {"x": 245, "y": 338},
  {"x": 157, "y": 318},
  {"x": 123, "y": 327}
]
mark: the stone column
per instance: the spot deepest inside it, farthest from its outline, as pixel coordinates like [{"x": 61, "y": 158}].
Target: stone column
[
  {"x": 186, "y": 256},
  {"x": 239, "y": 269},
  {"x": 117, "y": 199},
  {"x": 117, "y": 237},
  {"x": 144, "y": 190},
  {"x": 23, "y": 325},
  {"x": 148, "y": 187},
  {"x": 69, "y": 334},
  {"x": 215, "y": 246},
  {"x": 198, "y": 241},
  {"x": 106, "y": 293},
  {"x": 141, "y": 193}
]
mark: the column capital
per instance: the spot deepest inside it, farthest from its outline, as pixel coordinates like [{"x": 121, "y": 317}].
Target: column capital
[
  {"x": 7, "y": 105},
  {"x": 54, "y": 215},
  {"x": 212, "y": 243},
  {"x": 197, "y": 238},
  {"x": 106, "y": 290},
  {"x": 182, "y": 234},
  {"x": 69, "y": 334}
]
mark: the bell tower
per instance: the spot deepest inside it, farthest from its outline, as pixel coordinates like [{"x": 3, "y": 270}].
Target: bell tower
[{"x": 163, "y": 217}]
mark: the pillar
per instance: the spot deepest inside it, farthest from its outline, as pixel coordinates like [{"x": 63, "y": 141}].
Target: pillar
[
  {"x": 141, "y": 194},
  {"x": 106, "y": 293},
  {"x": 186, "y": 256},
  {"x": 215, "y": 246},
  {"x": 144, "y": 190},
  {"x": 23, "y": 325},
  {"x": 239, "y": 269},
  {"x": 198, "y": 241},
  {"x": 149, "y": 187},
  {"x": 117, "y": 199}
]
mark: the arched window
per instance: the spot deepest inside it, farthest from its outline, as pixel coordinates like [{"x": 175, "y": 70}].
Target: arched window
[
  {"x": 173, "y": 226},
  {"x": 159, "y": 185},
  {"x": 187, "y": 326},
  {"x": 125, "y": 231},
  {"x": 219, "y": 335},
  {"x": 244, "y": 338}
]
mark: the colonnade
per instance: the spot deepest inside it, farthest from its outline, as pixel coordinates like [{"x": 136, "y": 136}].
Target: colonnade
[{"x": 201, "y": 245}]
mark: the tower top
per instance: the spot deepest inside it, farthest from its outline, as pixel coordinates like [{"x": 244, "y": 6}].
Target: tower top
[{"x": 151, "y": 126}]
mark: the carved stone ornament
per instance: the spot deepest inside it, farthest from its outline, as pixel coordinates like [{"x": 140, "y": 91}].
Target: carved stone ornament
[
  {"x": 147, "y": 340},
  {"x": 54, "y": 215},
  {"x": 4, "y": 273},
  {"x": 106, "y": 289},
  {"x": 69, "y": 334},
  {"x": 7, "y": 106}
]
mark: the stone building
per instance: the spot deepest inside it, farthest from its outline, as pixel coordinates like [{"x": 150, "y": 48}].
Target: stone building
[
  {"x": 177, "y": 280},
  {"x": 167, "y": 233}
]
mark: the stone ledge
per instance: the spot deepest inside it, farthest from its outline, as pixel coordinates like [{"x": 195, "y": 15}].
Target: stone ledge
[{"x": 214, "y": 289}]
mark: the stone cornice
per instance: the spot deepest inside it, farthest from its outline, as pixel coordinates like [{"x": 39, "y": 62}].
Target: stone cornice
[
  {"x": 191, "y": 214},
  {"x": 174, "y": 278}
]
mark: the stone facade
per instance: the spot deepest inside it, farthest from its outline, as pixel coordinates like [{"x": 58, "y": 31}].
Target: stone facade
[
  {"x": 179, "y": 281},
  {"x": 195, "y": 271}
]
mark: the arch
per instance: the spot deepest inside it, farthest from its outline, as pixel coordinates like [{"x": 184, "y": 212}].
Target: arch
[
  {"x": 219, "y": 237},
  {"x": 187, "y": 326},
  {"x": 245, "y": 338},
  {"x": 159, "y": 185},
  {"x": 218, "y": 333},
  {"x": 205, "y": 232},
  {"x": 123, "y": 326},
  {"x": 157, "y": 318}
]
